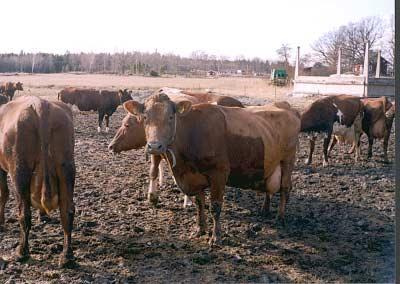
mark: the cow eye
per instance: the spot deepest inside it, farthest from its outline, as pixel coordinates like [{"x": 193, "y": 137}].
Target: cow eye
[
  {"x": 145, "y": 117},
  {"x": 171, "y": 117},
  {"x": 126, "y": 125}
]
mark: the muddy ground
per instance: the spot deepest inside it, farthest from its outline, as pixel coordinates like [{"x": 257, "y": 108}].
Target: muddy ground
[{"x": 340, "y": 224}]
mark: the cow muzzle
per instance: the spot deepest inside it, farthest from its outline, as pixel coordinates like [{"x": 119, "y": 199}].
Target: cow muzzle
[{"x": 155, "y": 148}]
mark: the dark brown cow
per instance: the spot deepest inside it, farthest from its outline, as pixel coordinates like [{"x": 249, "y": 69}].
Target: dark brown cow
[
  {"x": 3, "y": 100},
  {"x": 8, "y": 89},
  {"x": 131, "y": 136},
  {"x": 43, "y": 173},
  {"x": 103, "y": 101},
  {"x": 377, "y": 122},
  {"x": 210, "y": 146},
  {"x": 321, "y": 115}
]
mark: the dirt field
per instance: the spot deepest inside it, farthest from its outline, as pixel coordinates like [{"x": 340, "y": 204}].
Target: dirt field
[{"x": 340, "y": 219}]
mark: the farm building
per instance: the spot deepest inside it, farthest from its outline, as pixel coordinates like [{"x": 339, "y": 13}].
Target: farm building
[{"x": 370, "y": 83}]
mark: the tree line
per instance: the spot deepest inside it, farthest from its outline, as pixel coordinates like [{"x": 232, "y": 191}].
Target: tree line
[
  {"x": 139, "y": 63},
  {"x": 350, "y": 38}
]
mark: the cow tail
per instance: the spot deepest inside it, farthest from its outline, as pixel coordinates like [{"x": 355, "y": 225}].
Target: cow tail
[{"x": 43, "y": 112}]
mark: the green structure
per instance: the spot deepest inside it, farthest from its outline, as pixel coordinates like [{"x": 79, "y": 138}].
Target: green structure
[{"x": 279, "y": 77}]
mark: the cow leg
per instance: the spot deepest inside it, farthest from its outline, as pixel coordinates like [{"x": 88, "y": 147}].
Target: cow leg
[
  {"x": 218, "y": 182},
  {"x": 152, "y": 194},
  {"x": 334, "y": 140},
  {"x": 356, "y": 147},
  {"x": 160, "y": 174},
  {"x": 389, "y": 123},
  {"x": 312, "y": 146},
  {"x": 22, "y": 180},
  {"x": 265, "y": 209},
  {"x": 370, "y": 143},
  {"x": 201, "y": 216},
  {"x": 187, "y": 201},
  {"x": 327, "y": 139},
  {"x": 67, "y": 211},
  {"x": 4, "y": 193},
  {"x": 107, "y": 117},
  {"x": 101, "y": 117},
  {"x": 286, "y": 186}
]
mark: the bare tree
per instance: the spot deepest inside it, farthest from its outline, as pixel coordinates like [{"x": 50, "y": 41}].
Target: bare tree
[
  {"x": 284, "y": 53},
  {"x": 351, "y": 39}
]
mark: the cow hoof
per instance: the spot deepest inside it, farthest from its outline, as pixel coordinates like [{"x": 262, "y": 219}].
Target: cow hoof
[
  {"x": 214, "y": 241},
  {"x": 107, "y": 129},
  {"x": 66, "y": 261},
  {"x": 324, "y": 163},
  {"x": 307, "y": 161},
  {"x": 153, "y": 199},
  {"x": 198, "y": 233},
  {"x": 280, "y": 221},
  {"x": 21, "y": 255},
  {"x": 265, "y": 213},
  {"x": 187, "y": 202},
  {"x": 98, "y": 129}
]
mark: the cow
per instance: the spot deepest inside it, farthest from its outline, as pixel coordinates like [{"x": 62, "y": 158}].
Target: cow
[
  {"x": 103, "y": 101},
  {"x": 8, "y": 89},
  {"x": 131, "y": 136},
  {"x": 348, "y": 135},
  {"x": 208, "y": 97},
  {"x": 43, "y": 174},
  {"x": 377, "y": 122},
  {"x": 322, "y": 114},
  {"x": 209, "y": 146},
  {"x": 3, "y": 99}
]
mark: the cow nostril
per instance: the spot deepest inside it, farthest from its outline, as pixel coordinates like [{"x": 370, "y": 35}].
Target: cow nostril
[
  {"x": 148, "y": 145},
  {"x": 159, "y": 146}
]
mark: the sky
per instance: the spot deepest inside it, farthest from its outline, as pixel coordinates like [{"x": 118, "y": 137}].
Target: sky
[{"x": 232, "y": 28}]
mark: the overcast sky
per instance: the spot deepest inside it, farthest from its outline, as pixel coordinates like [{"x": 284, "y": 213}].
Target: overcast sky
[{"x": 250, "y": 28}]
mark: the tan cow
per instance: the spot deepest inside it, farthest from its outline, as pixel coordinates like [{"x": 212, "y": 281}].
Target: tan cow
[
  {"x": 43, "y": 173},
  {"x": 210, "y": 146},
  {"x": 131, "y": 136}
]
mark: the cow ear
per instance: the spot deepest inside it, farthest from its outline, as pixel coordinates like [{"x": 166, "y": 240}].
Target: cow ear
[
  {"x": 183, "y": 107},
  {"x": 134, "y": 107}
]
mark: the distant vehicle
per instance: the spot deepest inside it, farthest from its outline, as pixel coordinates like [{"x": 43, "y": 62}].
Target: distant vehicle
[{"x": 279, "y": 77}]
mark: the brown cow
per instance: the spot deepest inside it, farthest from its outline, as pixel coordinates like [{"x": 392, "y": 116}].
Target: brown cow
[
  {"x": 321, "y": 115},
  {"x": 207, "y": 97},
  {"x": 103, "y": 101},
  {"x": 131, "y": 136},
  {"x": 9, "y": 88},
  {"x": 210, "y": 146},
  {"x": 377, "y": 122},
  {"x": 43, "y": 173}
]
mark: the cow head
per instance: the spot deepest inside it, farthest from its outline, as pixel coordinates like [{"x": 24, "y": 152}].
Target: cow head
[
  {"x": 159, "y": 115},
  {"x": 124, "y": 95},
  {"x": 18, "y": 86},
  {"x": 129, "y": 136}
]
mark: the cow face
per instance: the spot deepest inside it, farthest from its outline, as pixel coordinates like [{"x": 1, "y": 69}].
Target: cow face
[
  {"x": 160, "y": 117},
  {"x": 124, "y": 95},
  {"x": 18, "y": 86},
  {"x": 129, "y": 136}
]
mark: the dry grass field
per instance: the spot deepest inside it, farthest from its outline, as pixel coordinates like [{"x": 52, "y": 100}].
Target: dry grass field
[{"x": 340, "y": 219}]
